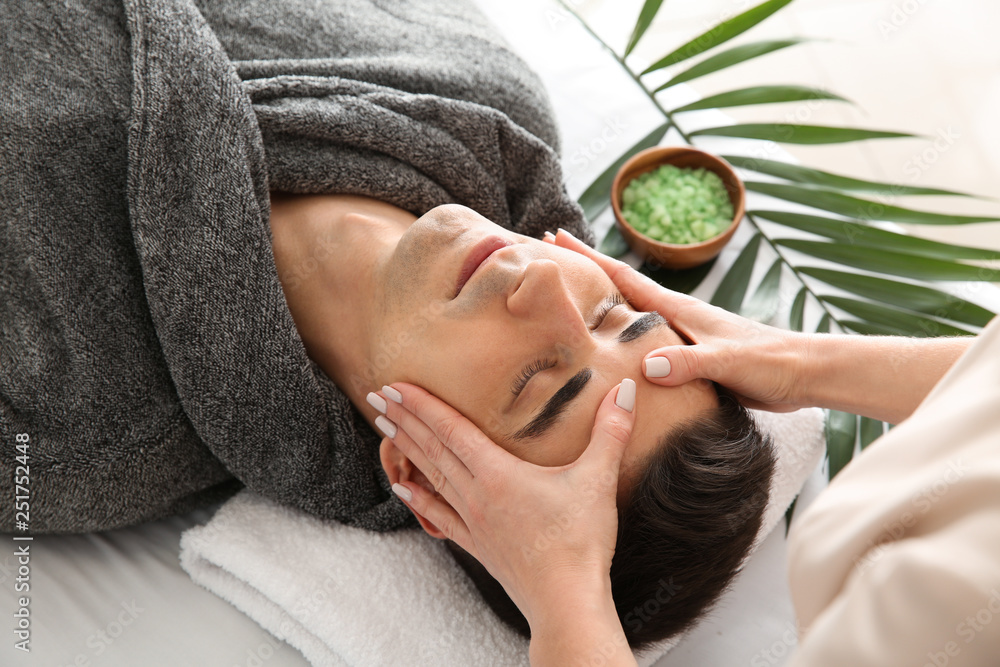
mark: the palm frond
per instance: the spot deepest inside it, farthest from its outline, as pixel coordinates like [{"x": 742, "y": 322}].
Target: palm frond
[
  {"x": 760, "y": 95},
  {"x": 733, "y": 288},
  {"x": 646, "y": 15},
  {"x": 855, "y": 207},
  {"x": 886, "y": 261},
  {"x": 841, "y": 436},
  {"x": 806, "y": 176},
  {"x": 763, "y": 305},
  {"x": 849, "y": 271},
  {"x": 871, "y": 430},
  {"x": 790, "y": 133},
  {"x": 720, "y": 34},
  {"x": 859, "y": 233},
  {"x": 730, "y": 57}
]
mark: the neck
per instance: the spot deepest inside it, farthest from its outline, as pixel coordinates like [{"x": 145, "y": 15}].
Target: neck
[{"x": 327, "y": 250}]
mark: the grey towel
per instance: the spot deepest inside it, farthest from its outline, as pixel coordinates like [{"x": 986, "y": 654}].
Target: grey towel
[{"x": 145, "y": 344}]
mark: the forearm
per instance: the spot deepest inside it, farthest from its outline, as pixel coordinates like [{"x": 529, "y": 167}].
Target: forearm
[
  {"x": 579, "y": 627},
  {"x": 876, "y": 376}
]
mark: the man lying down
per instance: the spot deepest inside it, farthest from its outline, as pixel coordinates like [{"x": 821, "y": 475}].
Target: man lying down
[
  {"x": 173, "y": 329},
  {"x": 525, "y": 339}
]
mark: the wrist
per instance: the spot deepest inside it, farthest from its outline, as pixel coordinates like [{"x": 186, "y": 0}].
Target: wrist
[
  {"x": 811, "y": 359},
  {"x": 588, "y": 592},
  {"x": 579, "y": 625},
  {"x": 790, "y": 359}
]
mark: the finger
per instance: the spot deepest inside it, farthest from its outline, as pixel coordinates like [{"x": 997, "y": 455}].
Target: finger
[
  {"x": 566, "y": 240},
  {"x": 549, "y": 237},
  {"x": 447, "y": 520},
  {"x": 612, "y": 431},
  {"x": 640, "y": 291},
  {"x": 461, "y": 437},
  {"x": 677, "y": 364},
  {"x": 436, "y": 449},
  {"x": 438, "y": 477}
]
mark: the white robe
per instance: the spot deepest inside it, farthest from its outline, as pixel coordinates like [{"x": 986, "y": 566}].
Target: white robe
[{"x": 898, "y": 561}]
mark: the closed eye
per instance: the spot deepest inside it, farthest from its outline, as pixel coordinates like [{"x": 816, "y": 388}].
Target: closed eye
[
  {"x": 520, "y": 382},
  {"x": 613, "y": 301},
  {"x": 529, "y": 372}
]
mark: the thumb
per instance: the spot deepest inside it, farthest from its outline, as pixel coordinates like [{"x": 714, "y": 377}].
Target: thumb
[
  {"x": 677, "y": 364},
  {"x": 612, "y": 430}
]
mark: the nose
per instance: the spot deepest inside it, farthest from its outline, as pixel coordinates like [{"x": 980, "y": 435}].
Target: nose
[{"x": 546, "y": 306}]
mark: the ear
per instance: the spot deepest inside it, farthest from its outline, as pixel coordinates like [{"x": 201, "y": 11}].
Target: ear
[{"x": 400, "y": 469}]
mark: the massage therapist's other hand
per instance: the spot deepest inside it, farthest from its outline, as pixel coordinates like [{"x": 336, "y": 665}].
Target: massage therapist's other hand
[
  {"x": 761, "y": 364},
  {"x": 546, "y": 534}
]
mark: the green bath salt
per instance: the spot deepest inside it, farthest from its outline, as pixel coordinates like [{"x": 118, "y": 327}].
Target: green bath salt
[{"x": 679, "y": 206}]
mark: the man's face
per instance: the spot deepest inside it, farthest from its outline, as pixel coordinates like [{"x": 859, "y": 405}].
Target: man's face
[{"x": 527, "y": 346}]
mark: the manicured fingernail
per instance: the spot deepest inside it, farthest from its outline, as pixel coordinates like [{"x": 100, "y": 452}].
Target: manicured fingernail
[
  {"x": 549, "y": 236},
  {"x": 402, "y": 492},
  {"x": 626, "y": 395},
  {"x": 657, "y": 367},
  {"x": 376, "y": 402},
  {"x": 392, "y": 394},
  {"x": 386, "y": 426},
  {"x": 565, "y": 232}
]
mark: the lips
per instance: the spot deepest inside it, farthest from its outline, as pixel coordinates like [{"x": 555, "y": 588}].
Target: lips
[{"x": 479, "y": 254}]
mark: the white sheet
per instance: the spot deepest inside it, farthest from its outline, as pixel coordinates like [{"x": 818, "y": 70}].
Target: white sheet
[{"x": 345, "y": 596}]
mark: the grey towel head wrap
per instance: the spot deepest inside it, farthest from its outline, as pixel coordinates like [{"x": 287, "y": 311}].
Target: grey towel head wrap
[{"x": 145, "y": 343}]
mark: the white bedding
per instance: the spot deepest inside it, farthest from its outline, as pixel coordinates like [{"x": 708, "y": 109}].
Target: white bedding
[{"x": 120, "y": 598}]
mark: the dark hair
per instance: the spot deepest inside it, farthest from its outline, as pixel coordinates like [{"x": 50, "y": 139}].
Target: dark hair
[{"x": 689, "y": 520}]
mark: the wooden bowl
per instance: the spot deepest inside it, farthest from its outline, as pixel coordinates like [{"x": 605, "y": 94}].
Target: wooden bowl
[{"x": 672, "y": 255}]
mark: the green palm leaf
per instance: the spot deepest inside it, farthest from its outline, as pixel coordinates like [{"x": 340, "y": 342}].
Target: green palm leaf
[
  {"x": 887, "y": 261},
  {"x": 720, "y": 34},
  {"x": 597, "y": 196},
  {"x": 763, "y": 305},
  {"x": 797, "y": 134},
  {"x": 886, "y": 306},
  {"x": 853, "y": 207},
  {"x": 760, "y": 95},
  {"x": 649, "y": 10},
  {"x": 862, "y": 234},
  {"x": 733, "y": 288},
  {"x": 906, "y": 323},
  {"x": 730, "y": 57},
  {"x": 841, "y": 434},
  {"x": 872, "y": 328},
  {"x": 871, "y": 430},
  {"x": 683, "y": 280},
  {"x": 614, "y": 244},
  {"x": 918, "y": 298},
  {"x": 788, "y": 515},
  {"x": 807, "y": 176},
  {"x": 797, "y": 311}
]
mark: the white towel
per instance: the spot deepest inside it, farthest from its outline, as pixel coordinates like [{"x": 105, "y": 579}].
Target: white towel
[{"x": 345, "y": 596}]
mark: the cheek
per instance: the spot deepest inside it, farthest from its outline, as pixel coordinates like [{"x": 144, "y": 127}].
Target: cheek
[{"x": 462, "y": 374}]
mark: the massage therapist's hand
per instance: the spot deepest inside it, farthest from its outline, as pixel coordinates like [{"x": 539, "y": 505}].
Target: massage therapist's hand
[
  {"x": 761, "y": 364},
  {"x": 546, "y": 534}
]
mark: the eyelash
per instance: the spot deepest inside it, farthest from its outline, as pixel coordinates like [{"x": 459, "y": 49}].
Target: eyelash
[
  {"x": 610, "y": 303},
  {"x": 540, "y": 365},
  {"x": 529, "y": 371}
]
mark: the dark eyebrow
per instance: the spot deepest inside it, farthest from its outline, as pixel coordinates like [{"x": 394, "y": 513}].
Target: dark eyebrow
[
  {"x": 641, "y": 326},
  {"x": 555, "y": 406},
  {"x": 559, "y": 402}
]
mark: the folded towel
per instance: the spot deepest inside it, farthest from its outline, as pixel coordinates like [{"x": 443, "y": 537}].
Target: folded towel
[{"x": 346, "y": 596}]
